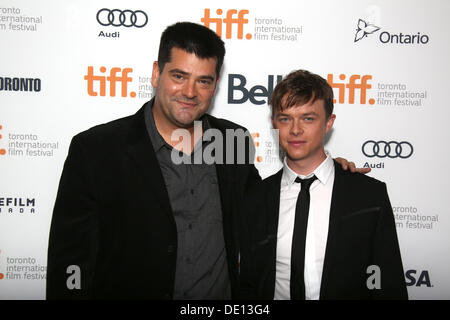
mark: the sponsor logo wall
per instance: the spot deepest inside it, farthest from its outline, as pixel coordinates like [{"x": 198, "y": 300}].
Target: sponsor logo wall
[{"x": 69, "y": 65}]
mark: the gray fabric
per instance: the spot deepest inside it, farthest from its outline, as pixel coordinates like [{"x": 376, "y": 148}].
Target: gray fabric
[{"x": 201, "y": 268}]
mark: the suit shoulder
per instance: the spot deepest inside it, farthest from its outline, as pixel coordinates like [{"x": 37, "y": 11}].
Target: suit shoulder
[
  {"x": 362, "y": 178},
  {"x": 274, "y": 178},
  {"x": 358, "y": 182},
  {"x": 111, "y": 128},
  {"x": 105, "y": 138},
  {"x": 266, "y": 185}
]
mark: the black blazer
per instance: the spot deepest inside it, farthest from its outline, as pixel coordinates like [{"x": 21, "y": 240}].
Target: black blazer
[
  {"x": 361, "y": 233},
  {"x": 113, "y": 219}
]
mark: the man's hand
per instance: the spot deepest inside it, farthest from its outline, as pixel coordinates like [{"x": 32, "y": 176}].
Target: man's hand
[{"x": 351, "y": 165}]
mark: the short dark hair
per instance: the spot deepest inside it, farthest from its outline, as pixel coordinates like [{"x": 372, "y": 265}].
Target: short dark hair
[
  {"x": 192, "y": 38},
  {"x": 298, "y": 88}
]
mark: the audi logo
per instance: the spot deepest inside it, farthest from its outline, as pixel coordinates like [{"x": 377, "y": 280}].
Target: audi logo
[
  {"x": 390, "y": 149},
  {"x": 125, "y": 18}
]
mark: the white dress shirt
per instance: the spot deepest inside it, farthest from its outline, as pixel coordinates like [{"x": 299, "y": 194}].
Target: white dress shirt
[{"x": 317, "y": 230}]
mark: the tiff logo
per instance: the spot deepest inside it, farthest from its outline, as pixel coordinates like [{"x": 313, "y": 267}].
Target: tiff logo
[
  {"x": 2, "y": 150},
  {"x": 113, "y": 78},
  {"x": 228, "y": 21},
  {"x": 356, "y": 82},
  {"x": 255, "y": 136}
]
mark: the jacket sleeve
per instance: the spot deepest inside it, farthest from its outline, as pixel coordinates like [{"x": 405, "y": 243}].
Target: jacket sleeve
[
  {"x": 73, "y": 231},
  {"x": 388, "y": 256}
]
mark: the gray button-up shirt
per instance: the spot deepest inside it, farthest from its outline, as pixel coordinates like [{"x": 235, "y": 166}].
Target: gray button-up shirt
[{"x": 201, "y": 269}]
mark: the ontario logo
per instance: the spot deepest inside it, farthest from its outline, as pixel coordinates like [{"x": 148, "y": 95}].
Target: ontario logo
[
  {"x": 363, "y": 29},
  {"x": 366, "y": 28}
]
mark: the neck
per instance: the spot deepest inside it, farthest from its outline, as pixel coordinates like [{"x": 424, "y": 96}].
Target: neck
[{"x": 306, "y": 166}]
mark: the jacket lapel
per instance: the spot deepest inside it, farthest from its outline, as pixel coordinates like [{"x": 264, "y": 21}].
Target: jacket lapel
[
  {"x": 141, "y": 151},
  {"x": 338, "y": 200},
  {"x": 224, "y": 175},
  {"x": 273, "y": 211},
  {"x": 225, "y": 179}
]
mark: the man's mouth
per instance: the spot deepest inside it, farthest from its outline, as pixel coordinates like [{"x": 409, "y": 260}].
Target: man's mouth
[
  {"x": 297, "y": 143},
  {"x": 186, "y": 104}
]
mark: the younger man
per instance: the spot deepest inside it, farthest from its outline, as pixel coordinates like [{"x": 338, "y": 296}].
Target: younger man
[{"x": 312, "y": 230}]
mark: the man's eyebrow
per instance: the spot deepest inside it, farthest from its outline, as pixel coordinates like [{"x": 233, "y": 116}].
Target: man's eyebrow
[
  {"x": 207, "y": 77},
  {"x": 311, "y": 113},
  {"x": 179, "y": 71}
]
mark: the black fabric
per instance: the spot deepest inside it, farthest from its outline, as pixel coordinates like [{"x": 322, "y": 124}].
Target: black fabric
[
  {"x": 297, "y": 284},
  {"x": 113, "y": 218},
  {"x": 361, "y": 233}
]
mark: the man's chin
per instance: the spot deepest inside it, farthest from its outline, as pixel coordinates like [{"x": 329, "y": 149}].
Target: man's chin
[
  {"x": 295, "y": 156},
  {"x": 187, "y": 121},
  {"x": 185, "y": 125}
]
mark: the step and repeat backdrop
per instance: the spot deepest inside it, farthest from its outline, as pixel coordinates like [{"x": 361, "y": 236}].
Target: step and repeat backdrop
[{"x": 66, "y": 66}]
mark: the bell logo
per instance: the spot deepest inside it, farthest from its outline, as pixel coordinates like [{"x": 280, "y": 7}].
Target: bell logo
[
  {"x": 113, "y": 78},
  {"x": 228, "y": 21},
  {"x": 356, "y": 82},
  {"x": 238, "y": 93}
]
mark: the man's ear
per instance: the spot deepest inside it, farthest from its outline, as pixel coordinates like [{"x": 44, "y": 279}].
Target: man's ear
[
  {"x": 273, "y": 119},
  {"x": 330, "y": 123},
  {"x": 155, "y": 74},
  {"x": 215, "y": 85}
]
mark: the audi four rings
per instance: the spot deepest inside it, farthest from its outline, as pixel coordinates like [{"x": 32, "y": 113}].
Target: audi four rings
[
  {"x": 390, "y": 149},
  {"x": 125, "y": 18}
]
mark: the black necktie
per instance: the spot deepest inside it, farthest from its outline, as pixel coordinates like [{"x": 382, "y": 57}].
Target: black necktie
[{"x": 299, "y": 240}]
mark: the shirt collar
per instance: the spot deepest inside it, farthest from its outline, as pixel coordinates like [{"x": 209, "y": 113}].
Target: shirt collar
[
  {"x": 322, "y": 172},
  {"x": 157, "y": 141}
]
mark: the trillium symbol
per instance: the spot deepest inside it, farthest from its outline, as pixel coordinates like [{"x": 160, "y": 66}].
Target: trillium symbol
[{"x": 364, "y": 29}]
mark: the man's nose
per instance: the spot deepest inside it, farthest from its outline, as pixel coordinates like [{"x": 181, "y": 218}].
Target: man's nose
[
  {"x": 296, "y": 128},
  {"x": 189, "y": 89}
]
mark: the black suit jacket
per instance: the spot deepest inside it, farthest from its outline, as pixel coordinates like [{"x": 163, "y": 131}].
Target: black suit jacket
[
  {"x": 113, "y": 219},
  {"x": 361, "y": 233}
]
